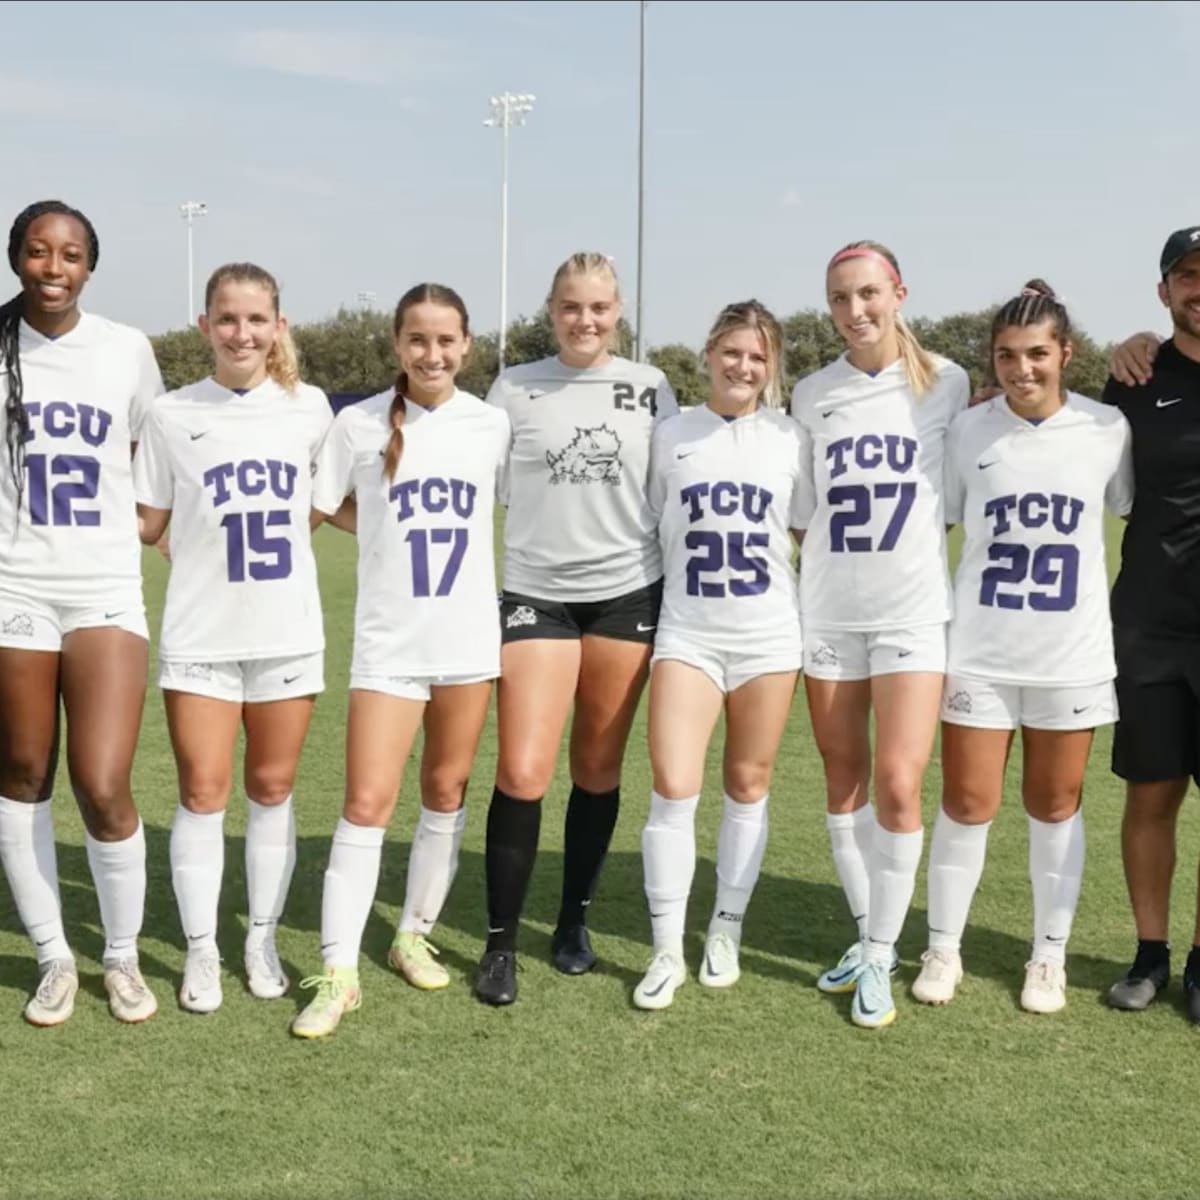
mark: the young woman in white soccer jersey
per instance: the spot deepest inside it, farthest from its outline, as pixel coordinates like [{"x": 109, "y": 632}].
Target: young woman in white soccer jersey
[
  {"x": 875, "y": 598},
  {"x": 72, "y": 622},
  {"x": 1028, "y": 474},
  {"x": 228, "y": 462},
  {"x": 424, "y": 462},
  {"x": 582, "y": 587},
  {"x": 724, "y": 488}
]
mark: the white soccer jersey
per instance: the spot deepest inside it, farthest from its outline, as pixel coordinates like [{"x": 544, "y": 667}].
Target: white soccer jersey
[
  {"x": 578, "y": 526},
  {"x": 875, "y": 549},
  {"x": 426, "y": 602},
  {"x": 75, "y": 539},
  {"x": 236, "y": 473},
  {"x": 1031, "y": 591},
  {"x": 725, "y": 494}
]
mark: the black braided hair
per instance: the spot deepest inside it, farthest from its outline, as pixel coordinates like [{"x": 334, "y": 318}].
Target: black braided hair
[
  {"x": 1036, "y": 303},
  {"x": 16, "y": 420}
]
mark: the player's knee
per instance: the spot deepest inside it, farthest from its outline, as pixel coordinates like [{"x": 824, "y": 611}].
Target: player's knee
[
  {"x": 525, "y": 778},
  {"x": 845, "y": 771},
  {"x": 596, "y": 767},
  {"x": 675, "y": 783},
  {"x": 23, "y": 779},
  {"x": 747, "y": 783},
  {"x": 442, "y": 789},
  {"x": 1052, "y": 805},
  {"x": 366, "y": 805},
  {"x": 968, "y": 806},
  {"x": 269, "y": 785},
  {"x": 107, "y": 809},
  {"x": 897, "y": 785}
]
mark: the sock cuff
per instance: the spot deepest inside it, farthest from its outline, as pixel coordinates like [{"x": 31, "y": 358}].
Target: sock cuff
[
  {"x": 268, "y": 812},
  {"x": 902, "y": 848},
  {"x": 198, "y": 821},
  {"x": 672, "y": 812},
  {"x": 116, "y": 849},
  {"x": 960, "y": 830},
  {"x": 443, "y": 822},
  {"x": 349, "y": 834},
  {"x": 612, "y": 796},
  {"x": 18, "y": 808},
  {"x": 1076, "y": 818},
  {"x": 753, "y": 813},
  {"x": 863, "y": 816}
]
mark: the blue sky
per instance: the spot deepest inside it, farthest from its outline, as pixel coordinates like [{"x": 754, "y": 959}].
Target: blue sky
[{"x": 342, "y": 146}]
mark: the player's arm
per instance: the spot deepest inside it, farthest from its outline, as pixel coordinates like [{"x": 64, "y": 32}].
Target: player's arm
[
  {"x": 345, "y": 519},
  {"x": 152, "y": 524},
  {"x": 1132, "y": 361}
]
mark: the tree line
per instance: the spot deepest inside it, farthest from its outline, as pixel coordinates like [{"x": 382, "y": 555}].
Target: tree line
[{"x": 351, "y": 352}]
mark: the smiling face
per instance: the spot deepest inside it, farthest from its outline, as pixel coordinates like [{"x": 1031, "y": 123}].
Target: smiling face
[
  {"x": 53, "y": 268},
  {"x": 1180, "y": 292},
  {"x": 1029, "y": 362},
  {"x": 430, "y": 347},
  {"x": 241, "y": 325},
  {"x": 739, "y": 366},
  {"x": 863, "y": 301},
  {"x": 584, "y": 310}
]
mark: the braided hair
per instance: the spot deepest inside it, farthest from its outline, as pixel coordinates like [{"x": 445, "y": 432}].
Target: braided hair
[
  {"x": 16, "y": 420},
  {"x": 1036, "y": 303}
]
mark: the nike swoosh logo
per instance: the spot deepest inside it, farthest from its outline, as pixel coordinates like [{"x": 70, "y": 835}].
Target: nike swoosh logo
[
  {"x": 1168, "y": 403},
  {"x": 109, "y": 616},
  {"x": 867, "y": 1012},
  {"x": 47, "y": 942},
  {"x": 655, "y": 916},
  {"x": 536, "y": 395},
  {"x": 197, "y": 436},
  {"x": 195, "y": 937},
  {"x": 260, "y": 924},
  {"x": 1077, "y": 711},
  {"x": 1055, "y": 939},
  {"x": 827, "y": 415},
  {"x": 984, "y": 466},
  {"x": 903, "y": 653},
  {"x": 290, "y": 679},
  {"x": 644, "y": 628},
  {"x": 659, "y": 988},
  {"x": 684, "y": 454},
  {"x": 708, "y": 964}
]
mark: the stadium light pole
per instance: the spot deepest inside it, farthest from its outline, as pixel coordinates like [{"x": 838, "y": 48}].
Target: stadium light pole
[
  {"x": 189, "y": 210},
  {"x": 641, "y": 197},
  {"x": 507, "y": 110}
]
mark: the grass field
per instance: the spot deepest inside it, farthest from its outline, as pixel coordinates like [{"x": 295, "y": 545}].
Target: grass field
[{"x": 766, "y": 1090}]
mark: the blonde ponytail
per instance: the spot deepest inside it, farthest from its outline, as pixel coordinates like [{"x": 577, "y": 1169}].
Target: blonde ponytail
[
  {"x": 282, "y": 364},
  {"x": 918, "y": 362}
]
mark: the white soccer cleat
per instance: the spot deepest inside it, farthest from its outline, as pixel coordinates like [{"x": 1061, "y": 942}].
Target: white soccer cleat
[
  {"x": 200, "y": 991},
  {"x": 720, "y": 966},
  {"x": 1045, "y": 989},
  {"x": 941, "y": 973},
  {"x": 54, "y": 1000},
  {"x": 664, "y": 975},
  {"x": 129, "y": 999},
  {"x": 265, "y": 976}
]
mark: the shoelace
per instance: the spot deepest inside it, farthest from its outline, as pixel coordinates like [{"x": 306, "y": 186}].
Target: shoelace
[
  {"x": 266, "y": 957},
  {"x": 329, "y": 988},
  {"x": 129, "y": 977},
  {"x": 418, "y": 947},
  {"x": 498, "y": 963},
  {"x": 1041, "y": 974},
  {"x": 206, "y": 971},
  {"x": 721, "y": 954},
  {"x": 936, "y": 964},
  {"x": 56, "y": 971}
]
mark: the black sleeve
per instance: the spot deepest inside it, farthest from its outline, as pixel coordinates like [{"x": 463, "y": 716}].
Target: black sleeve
[{"x": 1114, "y": 392}]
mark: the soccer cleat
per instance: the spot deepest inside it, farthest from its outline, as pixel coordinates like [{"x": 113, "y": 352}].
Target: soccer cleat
[
  {"x": 496, "y": 979},
  {"x": 663, "y": 976},
  {"x": 941, "y": 973},
  {"x": 129, "y": 999},
  {"x": 265, "y": 976},
  {"x": 872, "y": 1007},
  {"x": 412, "y": 956},
  {"x": 1142, "y": 983},
  {"x": 842, "y": 978},
  {"x": 337, "y": 994},
  {"x": 200, "y": 991},
  {"x": 572, "y": 949},
  {"x": 54, "y": 1000},
  {"x": 1045, "y": 989},
  {"x": 719, "y": 968}
]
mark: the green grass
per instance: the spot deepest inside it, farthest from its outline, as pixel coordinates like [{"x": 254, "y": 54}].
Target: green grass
[{"x": 762, "y": 1091}]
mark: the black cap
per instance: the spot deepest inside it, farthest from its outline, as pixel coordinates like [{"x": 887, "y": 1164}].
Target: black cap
[{"x": 1180, "y": 244}]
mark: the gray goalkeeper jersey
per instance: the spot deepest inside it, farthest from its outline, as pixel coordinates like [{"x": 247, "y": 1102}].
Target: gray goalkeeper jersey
[{"x": 579, "y": 527}]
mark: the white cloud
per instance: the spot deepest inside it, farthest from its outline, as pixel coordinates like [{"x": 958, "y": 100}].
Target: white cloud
[{"x": 347, "y": 57}]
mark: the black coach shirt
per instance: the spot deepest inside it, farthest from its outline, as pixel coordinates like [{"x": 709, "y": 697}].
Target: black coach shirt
[{"x": 1158, "y": 587}]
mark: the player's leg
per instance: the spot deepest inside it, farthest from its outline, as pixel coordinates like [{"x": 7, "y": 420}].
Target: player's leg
[
  {"x": 612, "y": 674},
  {"x": 454, "y": 721},
  {"x": 28, "y": 722},
  {"x": 103, "y": 681},
  {"x": 1051, "y": 787},
  {"x": 380, "y": 730},
  {"x": 756, "y": 714},
  {"x": 203, "y": 730},
  {"x": 539, "y": 669},
  {"x": 276, "y": 726},
  {"x": 977, "y": 733},
  {"x": 839, "y": 703},
  {"x": 685, "y": 703},
  {"x": 906, "y": 709}
]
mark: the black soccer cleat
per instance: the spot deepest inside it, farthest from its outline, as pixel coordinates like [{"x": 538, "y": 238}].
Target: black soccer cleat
[
  {"x": 1142, "y": 983},
  {"x": 1191, "y": 993},
  {"x": 573, "y": 953},
  {"x": 496, "y": 981}
]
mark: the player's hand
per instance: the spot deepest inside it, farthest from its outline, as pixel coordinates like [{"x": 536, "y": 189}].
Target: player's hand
[
  {"x": 984, "y": 394},
  {"x": 1132, "y": 362},
  {"x": 163, "y": 546}
]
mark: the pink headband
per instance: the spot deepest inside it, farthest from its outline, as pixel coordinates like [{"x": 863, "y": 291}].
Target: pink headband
[{"x": 866, "y": 252}]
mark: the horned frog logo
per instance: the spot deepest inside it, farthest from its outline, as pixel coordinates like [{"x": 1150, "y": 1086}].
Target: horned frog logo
[{"x": 591, "y": 456}]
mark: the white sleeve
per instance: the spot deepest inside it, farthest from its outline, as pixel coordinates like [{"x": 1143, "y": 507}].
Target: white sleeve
[
  {"x": 804, "y": 497},
  {"x": 660, "y": 464},
  {"x": 153, "y": 478},
  {"x": 322, "y": 422},
  {"x": 148, "y": 385},
  {"x": 503, "y": 464},
  {"x": 954, "y": 491},
  {"x": 332, "y": 480},
  {"x": 1119, "y": 493},
  {"x": 665, "y": 404}
]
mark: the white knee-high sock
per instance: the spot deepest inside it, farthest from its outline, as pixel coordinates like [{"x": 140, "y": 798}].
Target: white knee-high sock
[
  {"x": 270, "y": 861},
  {"x": 197, "y": 865},
  {"x": 350, "y": 882},
  {"x": 668, "y": 863},
  {"x": 119, "y": 873},
  {"x": 30, "y": 863},
  {"x": 1056, "y": 853},
  {"x": 741, "y": 843},
  {"x": 850, "y": 839},
  {"x": 956, "y": 856},
  {"x": 432, "y": 865},
  {"x": 894, "y": 861}
]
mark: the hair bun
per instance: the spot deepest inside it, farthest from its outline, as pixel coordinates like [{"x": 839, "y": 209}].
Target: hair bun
[{"x": 1038, "y": 287}]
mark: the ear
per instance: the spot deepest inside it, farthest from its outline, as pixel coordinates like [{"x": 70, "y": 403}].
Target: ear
[
  {"x": 901, "y": 292},
  {"x": 281, "y": 324},
  {"x": 202, "y": 321},
  {"x": 1068, "y": 353},
  {"x": 1162, "y": 294}
]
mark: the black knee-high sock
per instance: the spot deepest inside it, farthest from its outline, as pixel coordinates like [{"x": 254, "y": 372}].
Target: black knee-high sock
[
  {"x": 591, "y": 818},
  {"x": 512, "y": 838}
]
